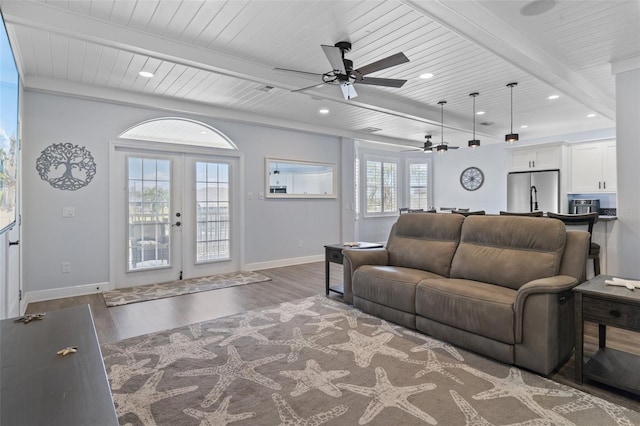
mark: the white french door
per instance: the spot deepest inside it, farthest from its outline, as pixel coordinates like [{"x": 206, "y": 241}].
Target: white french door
[{"x": 175, "y": 216}]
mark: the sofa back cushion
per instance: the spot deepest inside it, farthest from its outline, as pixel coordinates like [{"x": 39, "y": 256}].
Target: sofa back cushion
[
  {"x": 425, "y": 241},
  {"x": 508, "y": 250}
]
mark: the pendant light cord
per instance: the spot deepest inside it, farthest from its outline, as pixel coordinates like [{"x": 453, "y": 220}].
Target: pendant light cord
[
  {"x": 474, "y": 117},
  {"x": 442, "y": 121},
  {"x": 511, "y": 87}
]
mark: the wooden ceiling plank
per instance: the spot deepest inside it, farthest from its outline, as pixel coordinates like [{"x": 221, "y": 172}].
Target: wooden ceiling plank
[
  {"x": 60, "y": 50},
  {"x": 105, "y": 68},
  {"x": 162, "y": 16}
]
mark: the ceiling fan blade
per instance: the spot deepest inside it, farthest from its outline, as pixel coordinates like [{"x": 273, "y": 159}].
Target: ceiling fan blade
[
  {"x": 299, "y": 72},
  {"x": 348, "y": 91},
  {"x": 387, "y": 82},
  {"x": 309, "y": 87},
  {"x": 390, "y": 61},
  {"x": 334, "y": 55}
]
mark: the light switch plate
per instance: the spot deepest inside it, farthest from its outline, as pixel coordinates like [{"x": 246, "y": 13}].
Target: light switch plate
[{"x": 68, "y": 211}]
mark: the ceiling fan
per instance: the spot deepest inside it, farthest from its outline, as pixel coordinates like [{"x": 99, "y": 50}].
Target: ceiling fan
[
  {"x": 429, "y": 146},
  {"x": 344, "y": 75},
  {"x": 442, "y": 146}
]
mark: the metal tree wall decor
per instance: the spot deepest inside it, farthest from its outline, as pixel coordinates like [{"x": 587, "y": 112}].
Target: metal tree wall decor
[{"x": 66, "y": 166}]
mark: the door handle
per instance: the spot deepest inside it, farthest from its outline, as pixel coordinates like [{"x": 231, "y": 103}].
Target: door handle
[
  {"x": 14, "y": 243},
  {"x": 599, "y": 185},
  {"x": 604, "y": 185},
  {"x": 177, "y": 224}
]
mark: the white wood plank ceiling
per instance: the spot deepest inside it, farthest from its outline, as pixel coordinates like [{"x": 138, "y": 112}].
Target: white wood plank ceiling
[{"x": 217, "y": 57}]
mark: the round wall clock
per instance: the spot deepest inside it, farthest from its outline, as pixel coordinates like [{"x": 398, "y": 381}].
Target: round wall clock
[{"x": 471, "y": 178}]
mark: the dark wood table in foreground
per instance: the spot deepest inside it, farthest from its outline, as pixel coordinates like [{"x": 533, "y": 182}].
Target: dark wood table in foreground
[
  {"x": 40, "y": 387},
  {"x": 333, "y": 254},
  {"x": 607, "y": 306}
]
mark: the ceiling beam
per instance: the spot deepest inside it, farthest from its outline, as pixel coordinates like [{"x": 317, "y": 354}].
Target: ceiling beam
[{"x": 82, "y": 91}]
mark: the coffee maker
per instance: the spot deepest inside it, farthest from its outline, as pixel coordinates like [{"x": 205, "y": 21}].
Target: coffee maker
[{"x": 584, "y": 206}]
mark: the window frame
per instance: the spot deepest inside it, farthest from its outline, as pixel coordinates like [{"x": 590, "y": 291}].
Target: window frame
[
  {"x": 407, "y": 181},
  {"x": 364, "y": 185}
]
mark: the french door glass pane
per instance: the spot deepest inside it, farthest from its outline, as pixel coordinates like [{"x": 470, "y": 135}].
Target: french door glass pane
[
  {"x": 148, "y": 210},
  {"x": 212, "y": 207}
]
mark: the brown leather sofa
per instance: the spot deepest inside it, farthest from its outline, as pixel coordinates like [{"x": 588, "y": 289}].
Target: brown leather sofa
[{"x": 497, "y": 285}]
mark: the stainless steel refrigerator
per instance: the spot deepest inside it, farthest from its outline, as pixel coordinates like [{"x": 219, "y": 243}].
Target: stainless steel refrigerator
[{"x": 531, "y": 191}]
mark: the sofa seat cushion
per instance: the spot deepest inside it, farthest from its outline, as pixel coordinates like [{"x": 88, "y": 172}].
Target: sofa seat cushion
[
  {"x": 391, "y": 286},
  {"x": 476, "y": 307}
]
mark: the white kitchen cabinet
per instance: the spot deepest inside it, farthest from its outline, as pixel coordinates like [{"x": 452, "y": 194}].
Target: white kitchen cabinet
[
  {"x": 536, "y": 158},
  {"x": 593, "y": 167}
]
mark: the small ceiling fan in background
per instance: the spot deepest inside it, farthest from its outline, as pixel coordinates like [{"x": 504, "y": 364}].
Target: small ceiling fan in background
[
  {"x": 427, "y": 147},
  {"x": 442, "y": 146},
  {"x": 344, "y": 75}
]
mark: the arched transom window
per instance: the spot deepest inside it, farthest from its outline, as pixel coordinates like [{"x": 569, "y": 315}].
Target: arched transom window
[{"x": 180, "y": 131}]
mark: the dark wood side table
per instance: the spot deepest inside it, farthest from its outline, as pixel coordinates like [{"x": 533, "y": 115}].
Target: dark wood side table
[
  {"x": 40, "y": 387},
  {"x": 333, "y": 254},
  {"x": 607, "y": 306}
]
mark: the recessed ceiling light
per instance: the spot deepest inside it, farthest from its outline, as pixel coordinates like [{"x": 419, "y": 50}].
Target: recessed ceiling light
[
  {"x": 537, "y": 7},
  {"x": 591, "y": 115},
  {"x": 426, "y": 75},
  {"x": 480, "y": 113},
  {"x": 524, "y": 126},
  {"x": 145, "y": 74},
  {"x": 203, "y": 132},
  {"x": 553, "y": 97},
  {"x": 323, "y": 111}
]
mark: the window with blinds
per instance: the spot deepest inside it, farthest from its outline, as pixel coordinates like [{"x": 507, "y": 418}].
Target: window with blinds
[
  {"x": 381, "y": 187},
  {"x": 418, "y": 186}
]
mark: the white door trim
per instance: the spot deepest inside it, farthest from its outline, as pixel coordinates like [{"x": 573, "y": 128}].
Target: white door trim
[{"x": 239, "y": 215}]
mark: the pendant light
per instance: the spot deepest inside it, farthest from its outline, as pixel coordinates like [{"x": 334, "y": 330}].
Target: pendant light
[
  {"x": 474, "y": 143},
  {"x": 511, "y": 137},
  {"x": 442, "y": 148}
]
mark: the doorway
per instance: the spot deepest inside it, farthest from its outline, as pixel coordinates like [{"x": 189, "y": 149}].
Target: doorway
[{"x": 174, "y": 213}]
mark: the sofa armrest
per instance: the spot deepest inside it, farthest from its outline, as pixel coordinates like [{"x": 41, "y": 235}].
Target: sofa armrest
[
  {"x": 353, "y": 259},
  {"x": 551, "y": 285}
]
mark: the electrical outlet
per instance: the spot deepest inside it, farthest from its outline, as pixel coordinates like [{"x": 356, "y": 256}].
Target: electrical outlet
[
  {"x": 66, "y": 267},
  {"x": 261, "y": 195},
  {"x": 300, "y": 244},
  {"x": 250, "y": 195}
]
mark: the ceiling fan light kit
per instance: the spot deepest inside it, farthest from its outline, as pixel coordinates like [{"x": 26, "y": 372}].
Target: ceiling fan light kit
[
  {"x": 511, "y": 137},
  {"x": 474, "y": 143}
]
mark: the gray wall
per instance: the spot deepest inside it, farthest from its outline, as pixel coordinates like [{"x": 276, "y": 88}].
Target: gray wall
[
  {"x": 491, "y": 196},
  {"x": 626, "y": 235},
  {"x": 272, "y": 227},
  {"x": 447, "y": 192}
]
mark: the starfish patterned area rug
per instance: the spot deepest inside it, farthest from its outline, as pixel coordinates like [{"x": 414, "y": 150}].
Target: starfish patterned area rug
[
  {"x": 143, "y": 293},
  {"x": 317, "y": 361}
]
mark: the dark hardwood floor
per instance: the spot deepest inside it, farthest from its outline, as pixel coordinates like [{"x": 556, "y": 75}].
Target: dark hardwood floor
[{"x": 288, "y": 283}]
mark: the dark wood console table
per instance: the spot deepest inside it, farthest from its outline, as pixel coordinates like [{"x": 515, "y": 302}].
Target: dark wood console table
[
  {"x": 40, "y": 387},
  {"x": 607, "y": 306},
  {"x": 333, "y": 254}
]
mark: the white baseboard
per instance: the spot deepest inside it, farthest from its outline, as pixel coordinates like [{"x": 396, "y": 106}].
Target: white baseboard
[
  {"x": 62, "y": 292},
  {"x": 283, "y": 262},
  {"x": 81, "y": 290}
]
